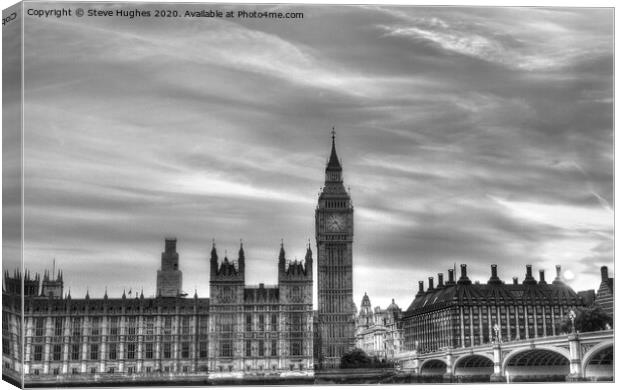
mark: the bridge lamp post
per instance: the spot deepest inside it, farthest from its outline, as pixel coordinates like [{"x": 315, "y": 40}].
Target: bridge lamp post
[
  {"x": 496, "y": 330},
  {"x": 572, "y": 316}
]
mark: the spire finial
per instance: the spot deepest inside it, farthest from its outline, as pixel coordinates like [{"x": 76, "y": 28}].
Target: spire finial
[{"x": 333, "y": 133}]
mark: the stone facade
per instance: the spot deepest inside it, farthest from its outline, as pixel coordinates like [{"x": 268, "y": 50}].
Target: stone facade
[
  {"x": 334, "y": 238},
  {"x": 379, "y": 331},
  {"x": 240, "y": 331},
  {"x": 258, "y": 330}
]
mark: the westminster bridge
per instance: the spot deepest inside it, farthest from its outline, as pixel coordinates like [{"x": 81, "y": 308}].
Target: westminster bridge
[{"x": 574, "y": 356}]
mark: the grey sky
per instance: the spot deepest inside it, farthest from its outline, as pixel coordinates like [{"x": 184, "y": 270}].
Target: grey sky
[{"x": 468, "y": 135}]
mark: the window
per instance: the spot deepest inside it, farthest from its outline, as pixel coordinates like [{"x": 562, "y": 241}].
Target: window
[
  {"x": 261, "y": 322},
  {"x": 39, "y": 327},
  {"x": 111, "y": 370},
  {"x": 94, "y": 351},
  {"x": 296, "y": 348},
  {"x": 148, "y": 369},
  {"x": 204, "y": 327},
  {"x": 75, "y": 371},
  {"x": 131, "y": 351},
  {"x": 184, "y": 350},
  {"x": 168, "y": 325},
  {"x": 185, "y": 325},
  {"x": 148, "y": 350},
  {"x": 94, "y": 326},
  {"x": 36, "y": 371},
  {"x": 130, "y": 327},
  {"x": 248, "y": 348},
  {"x": 274, "y": 322},
  {"x": 203, "y": 349},
  {"x": 75, "y": 351},
  {"x": 76, "y": 326},
  {"x": 93, "y": 370},
  {"x": 56, "y": 371},
  {"x": 226, "y": 348},
  {"x": 131, "y": 370},
  {"x": 167, "y": 351},
  {"x": 261, "y": 348},
  {"x": 274, "y": 348},
  {"x": 185, "y": 369},
  {"x": 112, "y": 352},
  {"x": 113, "y": 326},
  {"x": 57, "y": 352},
  {"x": 38, "y": 353},
  {"x": 248, "y": 323},
  {"x": 58, "y": 326}
]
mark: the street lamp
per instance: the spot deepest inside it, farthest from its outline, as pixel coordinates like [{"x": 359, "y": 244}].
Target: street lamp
[
  {"x": 572, "y": 316},
  {"x": 496, "y": 330}
]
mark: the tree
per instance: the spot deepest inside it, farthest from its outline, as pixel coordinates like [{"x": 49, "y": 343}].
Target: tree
[
  {"x": 355, "y": 359},
  {"x": 588, "y": 319}
]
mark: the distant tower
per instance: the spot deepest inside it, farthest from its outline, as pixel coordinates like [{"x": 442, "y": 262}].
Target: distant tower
[
  {"x": 169, "y": 278},
  {"x": 52, "y": 287},
  {"x": 334, "y": 238}
]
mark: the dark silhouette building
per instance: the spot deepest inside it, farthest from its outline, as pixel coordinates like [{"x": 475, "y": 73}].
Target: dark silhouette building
[{"x": 605, "y": 293}]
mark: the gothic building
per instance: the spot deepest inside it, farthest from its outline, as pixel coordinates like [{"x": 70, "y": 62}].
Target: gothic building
[
  {"x": 260, "y": 329},
  {"x": 239, "y": 331},
  {"x": 379, "y": 331},
  {"x": 334, "y": 239},
  {"x": 459, "y": 313}
]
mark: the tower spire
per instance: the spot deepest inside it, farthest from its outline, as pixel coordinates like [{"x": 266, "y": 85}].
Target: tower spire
[{"x": 334, "y": 163}]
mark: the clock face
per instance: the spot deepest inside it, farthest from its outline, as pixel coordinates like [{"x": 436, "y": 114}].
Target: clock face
[{"x": 335, "y": 223}]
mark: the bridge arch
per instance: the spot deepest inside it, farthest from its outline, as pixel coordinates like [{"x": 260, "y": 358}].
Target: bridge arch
[
  {"x": 434, "y": 366},
  {"x": 598, "y": 362},
  {"x": 527, "y": 363},
  {"x": 473, "y": 365}
]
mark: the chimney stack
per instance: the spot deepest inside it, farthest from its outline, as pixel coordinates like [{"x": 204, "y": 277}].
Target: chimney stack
[
  {"x": 558, "y": 277},
  {"x": 450, "y": 277},
  {"x": 528, "y": 275},
  {"x": 464, "y": 279},
  {"x": 494, "y": 279},
  {"x": 541, "y": 274},
  {"x": 420, "y": 287},
  {"x": 430, "y": 284},
  {"x": 439, "y": 280},
  {"x": 515, "y": 280}
]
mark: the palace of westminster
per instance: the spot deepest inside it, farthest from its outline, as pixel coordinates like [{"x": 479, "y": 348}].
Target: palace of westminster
[{"x": 243, "y": 331}]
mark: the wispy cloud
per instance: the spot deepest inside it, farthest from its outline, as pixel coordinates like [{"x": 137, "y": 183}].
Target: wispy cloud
[{"x": 467, "y": 135}]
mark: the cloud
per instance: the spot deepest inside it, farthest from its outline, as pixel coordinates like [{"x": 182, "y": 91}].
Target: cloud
[{"x": 467, "y": 135}]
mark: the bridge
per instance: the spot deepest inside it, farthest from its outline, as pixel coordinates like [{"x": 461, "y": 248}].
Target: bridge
[{"x": 571, "y": 357}]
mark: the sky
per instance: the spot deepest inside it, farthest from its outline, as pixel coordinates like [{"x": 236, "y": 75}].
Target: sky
[{"x": 470, "y": 136}]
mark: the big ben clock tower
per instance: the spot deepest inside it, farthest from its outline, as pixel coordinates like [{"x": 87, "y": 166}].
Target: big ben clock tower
[{"x": 334, "y": 238}]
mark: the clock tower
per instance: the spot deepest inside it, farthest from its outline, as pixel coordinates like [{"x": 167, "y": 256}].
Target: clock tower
[{"x": 334, "y": 238}]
